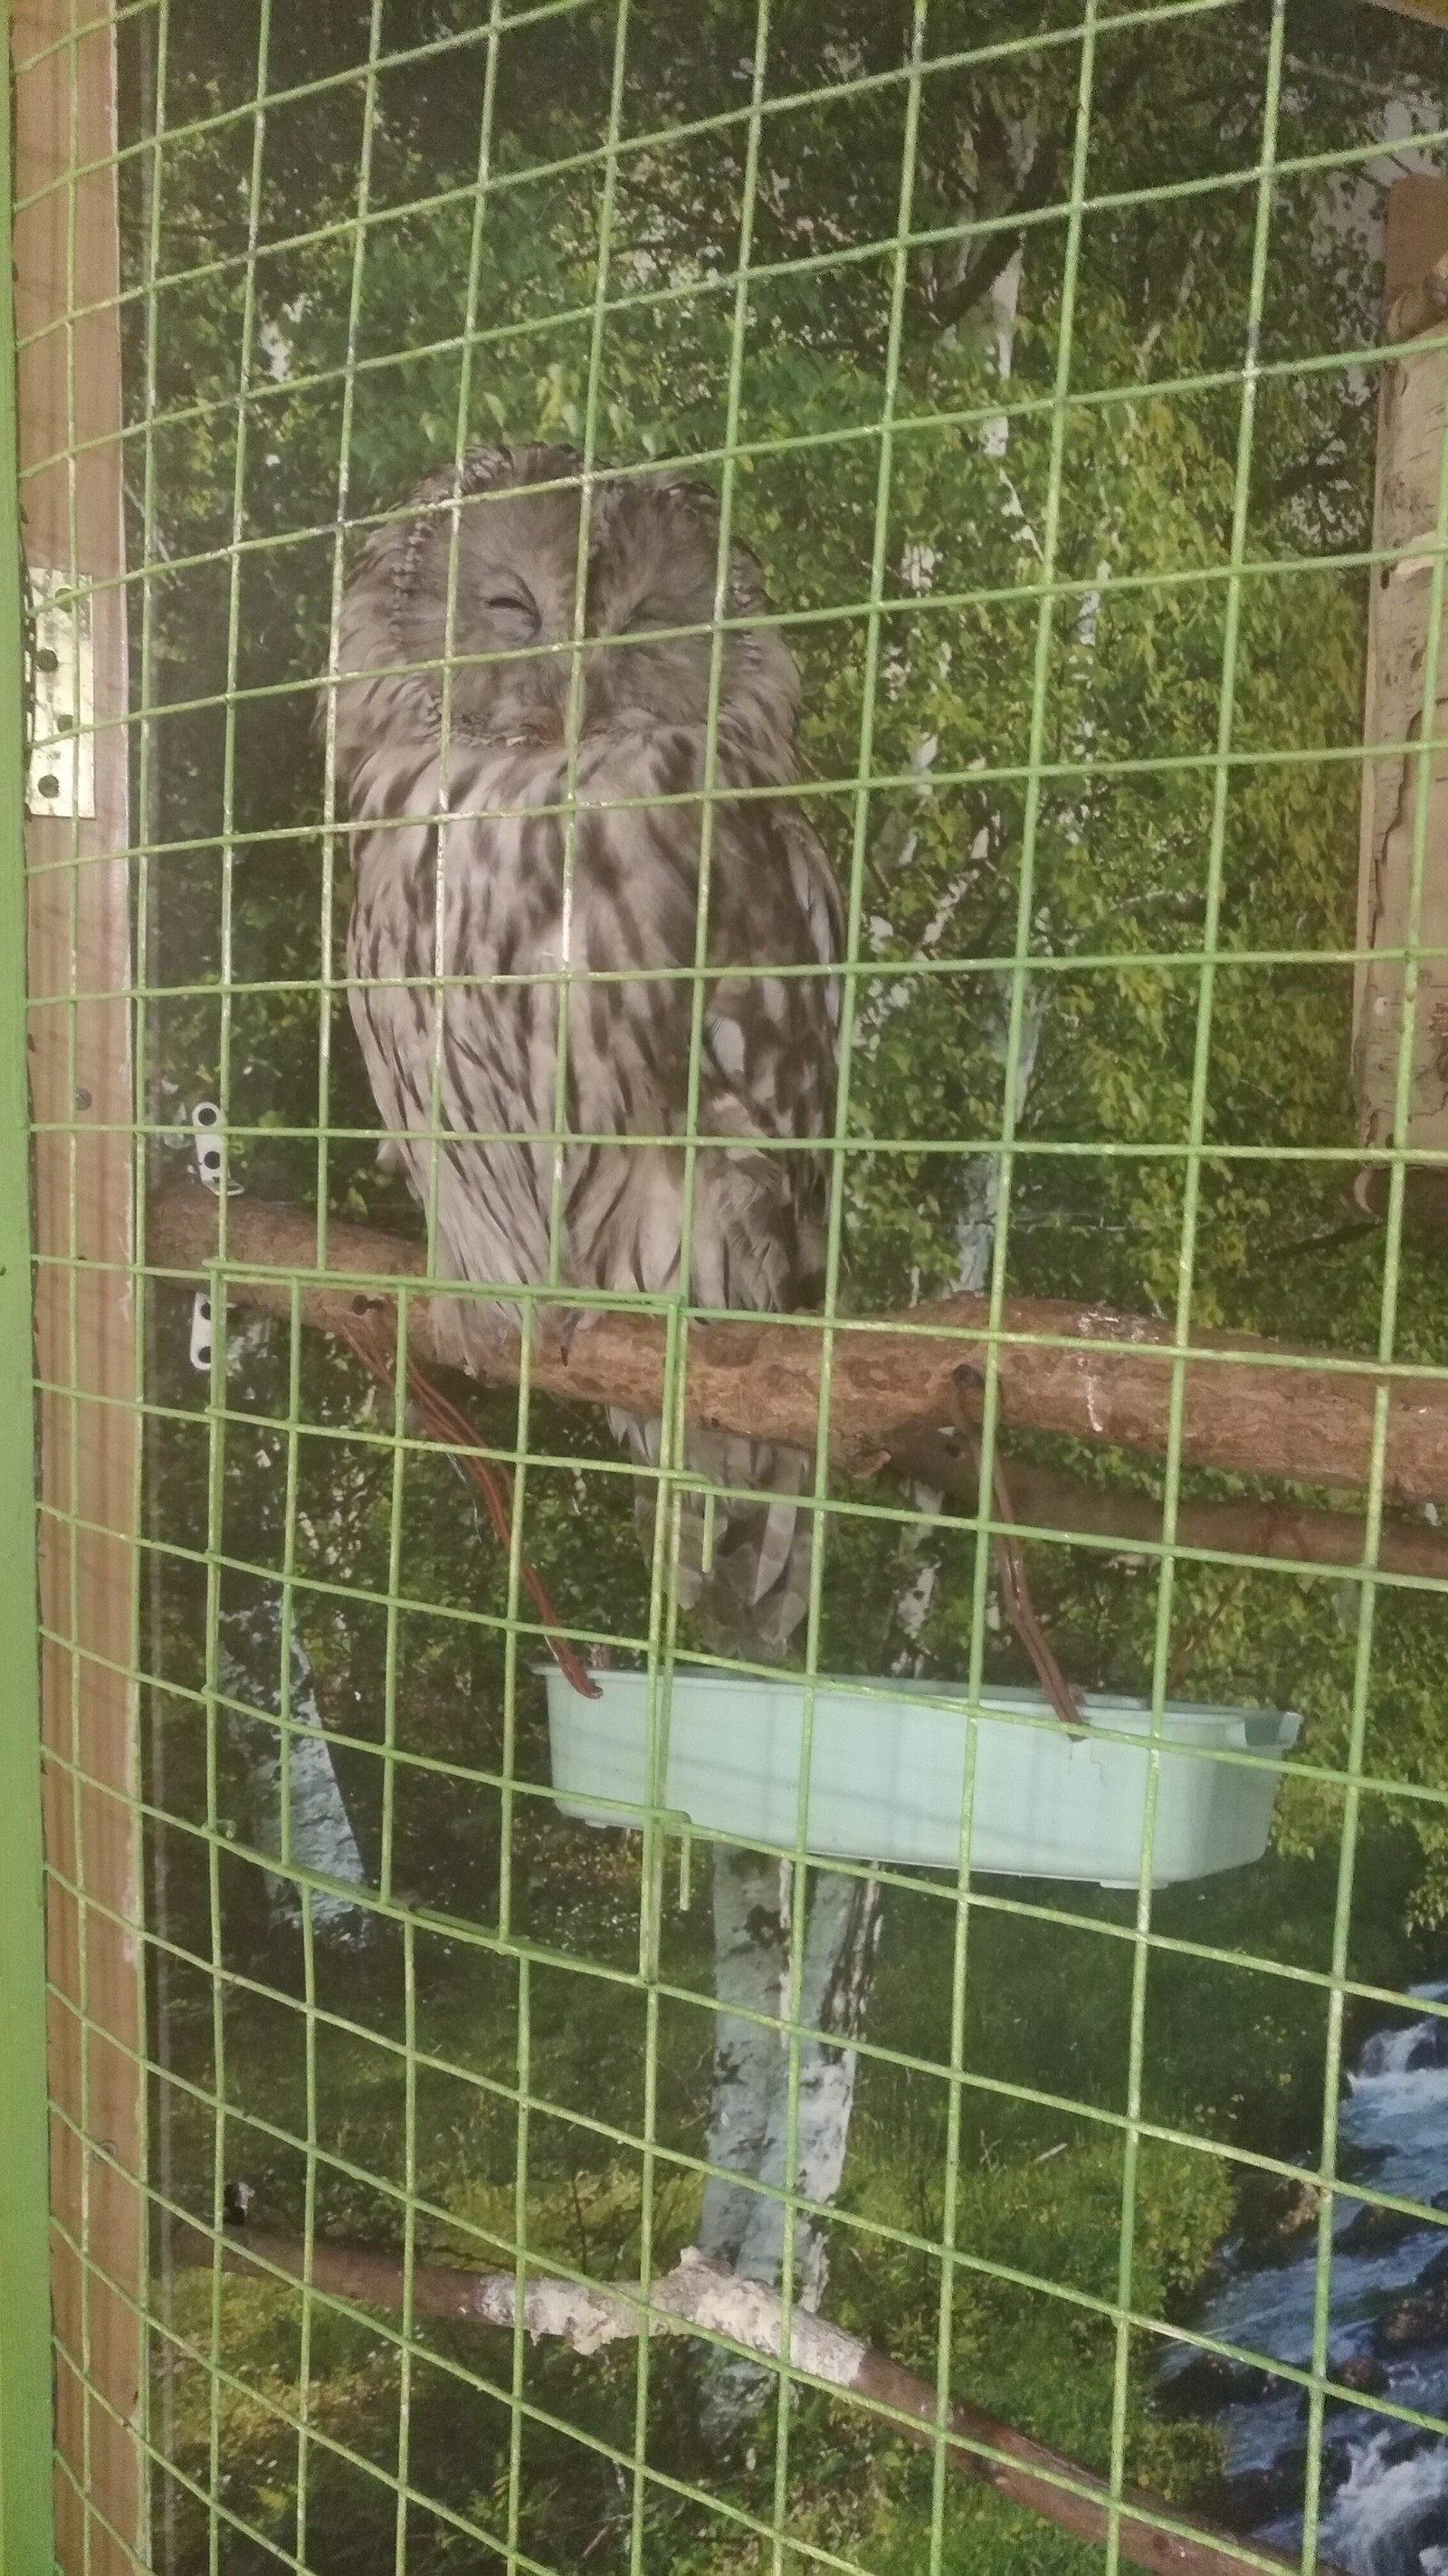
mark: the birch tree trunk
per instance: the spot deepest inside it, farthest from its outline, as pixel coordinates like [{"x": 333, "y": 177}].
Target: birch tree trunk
[
  {"x": 747, "y": 2220},
  {"x": 319, "y": 1833},
  {"x": 746, "y": 2215}
]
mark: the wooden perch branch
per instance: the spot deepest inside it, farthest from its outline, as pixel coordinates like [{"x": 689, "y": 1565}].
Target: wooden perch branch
[
  {"x": 698, "y": 2293},
  {"x": 1252, "y": 1407}
]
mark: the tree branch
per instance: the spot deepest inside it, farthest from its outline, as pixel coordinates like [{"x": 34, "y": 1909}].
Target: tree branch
[
  {"x": 951, "y": 303},
  {"x": 1038, "y": 190},
  {"x": 1425, "y": 1194},
  {"x": 1252, "y": 1407},
  {"x": 701, "y": 2294},
  {"x": 1279, "y": 1531}
]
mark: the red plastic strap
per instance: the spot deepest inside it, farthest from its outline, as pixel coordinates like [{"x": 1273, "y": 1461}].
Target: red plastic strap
[{"x": 494, "y": 1484}]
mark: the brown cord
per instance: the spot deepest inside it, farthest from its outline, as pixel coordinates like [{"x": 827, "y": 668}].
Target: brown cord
[
  {"x": 494, "y": 1484},
  {"x": 1016, "y": 1599}
]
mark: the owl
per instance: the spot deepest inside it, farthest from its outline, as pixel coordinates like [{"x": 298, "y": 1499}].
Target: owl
[{"x": 537, "y": 841}]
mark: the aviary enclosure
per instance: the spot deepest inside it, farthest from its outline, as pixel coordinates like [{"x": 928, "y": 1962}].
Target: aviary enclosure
[{"x": 797, "y": 1921}]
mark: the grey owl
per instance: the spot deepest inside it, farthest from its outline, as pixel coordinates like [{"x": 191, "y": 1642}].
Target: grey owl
[{"x": 481, "y": 572}]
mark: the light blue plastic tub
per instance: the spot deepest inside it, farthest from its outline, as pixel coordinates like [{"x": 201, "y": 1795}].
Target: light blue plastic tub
[{"x": 887, "y": 1773}]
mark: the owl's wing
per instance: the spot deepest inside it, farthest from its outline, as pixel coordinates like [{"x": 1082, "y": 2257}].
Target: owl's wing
[
  {"x": 765, "y": 1092},
  {"x": 771, "y": 1030},
  {"x": 459, "y": 1075},
  {"x": 765, "y": 1100}
]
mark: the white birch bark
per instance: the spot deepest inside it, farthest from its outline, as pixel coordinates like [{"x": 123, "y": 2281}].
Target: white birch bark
[
  {"x": 745, "y": 2222},
  {"x": 838, "y": 1950},
  {"x": 1005, "y": 296},
  {"x": 321, "y": 1834},
  {"x": 751, "y": 1976},
  {"x": 975, "y": 1231}
]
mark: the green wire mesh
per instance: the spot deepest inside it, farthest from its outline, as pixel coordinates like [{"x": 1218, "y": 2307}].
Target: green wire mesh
[{"x": 1040, "y": 367}]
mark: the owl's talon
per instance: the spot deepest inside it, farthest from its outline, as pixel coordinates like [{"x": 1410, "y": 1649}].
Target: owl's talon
[{"x": 553, "y": 1331}]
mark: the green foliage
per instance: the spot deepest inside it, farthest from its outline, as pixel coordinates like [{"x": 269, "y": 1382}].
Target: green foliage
[
  {"x": 1233, "y": 2058},
  {"x": 381, "y": 347}
]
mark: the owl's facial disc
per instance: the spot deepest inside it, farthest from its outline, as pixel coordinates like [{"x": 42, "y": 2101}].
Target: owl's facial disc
[
  {"x": 491, "y": 588},
  {"x": 650, "y": 605},
  {"x": 487, "y": 590}
]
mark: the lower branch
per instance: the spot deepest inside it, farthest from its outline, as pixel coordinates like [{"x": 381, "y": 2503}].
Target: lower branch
[
  {"x": 1280, "y": 1532},
  {"x": 705, "y": 2296}
]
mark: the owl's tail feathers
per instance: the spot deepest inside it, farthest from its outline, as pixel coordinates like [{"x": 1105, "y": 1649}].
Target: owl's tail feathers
[{"x": 741, "y": 1559}]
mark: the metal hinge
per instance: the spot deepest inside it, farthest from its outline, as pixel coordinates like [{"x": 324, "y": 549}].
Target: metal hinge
[{"x": 60, "y": 771}]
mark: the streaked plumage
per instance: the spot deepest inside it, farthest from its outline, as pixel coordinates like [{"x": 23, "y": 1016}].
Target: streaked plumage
[{"x": 483, "y": 851}]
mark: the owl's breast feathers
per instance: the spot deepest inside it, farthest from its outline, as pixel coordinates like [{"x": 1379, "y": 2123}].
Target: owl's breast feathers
[{"x": 532, "y": 893}]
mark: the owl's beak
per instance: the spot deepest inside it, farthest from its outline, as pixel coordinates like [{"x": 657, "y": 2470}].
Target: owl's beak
[
  {"x": 602, "y": 687},
  {"x": 612, "y": 675},
  {"x": 555, "y": 686},
  {"x": 544, "y": 708}
]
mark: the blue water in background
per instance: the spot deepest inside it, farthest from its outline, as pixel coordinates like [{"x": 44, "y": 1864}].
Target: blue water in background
[{"x": 1385, "y": 2483}]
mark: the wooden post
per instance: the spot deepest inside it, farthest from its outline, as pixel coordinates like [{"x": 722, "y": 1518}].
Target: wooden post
[
  {"x": 69, "y": 399},
  {"x": 1410, "y": 440}
]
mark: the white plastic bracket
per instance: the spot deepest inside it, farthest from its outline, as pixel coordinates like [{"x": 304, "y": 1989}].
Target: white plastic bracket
[
  {"x": 207, "y": 1131},
  {"x": 60, "y": 775},
  {"x": 201, "y": 1330}
]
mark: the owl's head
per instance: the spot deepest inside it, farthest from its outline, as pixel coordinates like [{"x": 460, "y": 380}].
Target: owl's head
[{"x": 482, "y": 576}]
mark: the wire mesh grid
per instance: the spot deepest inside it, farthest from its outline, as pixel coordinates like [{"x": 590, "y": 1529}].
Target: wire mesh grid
[{"x": 1040, "y": 370}]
